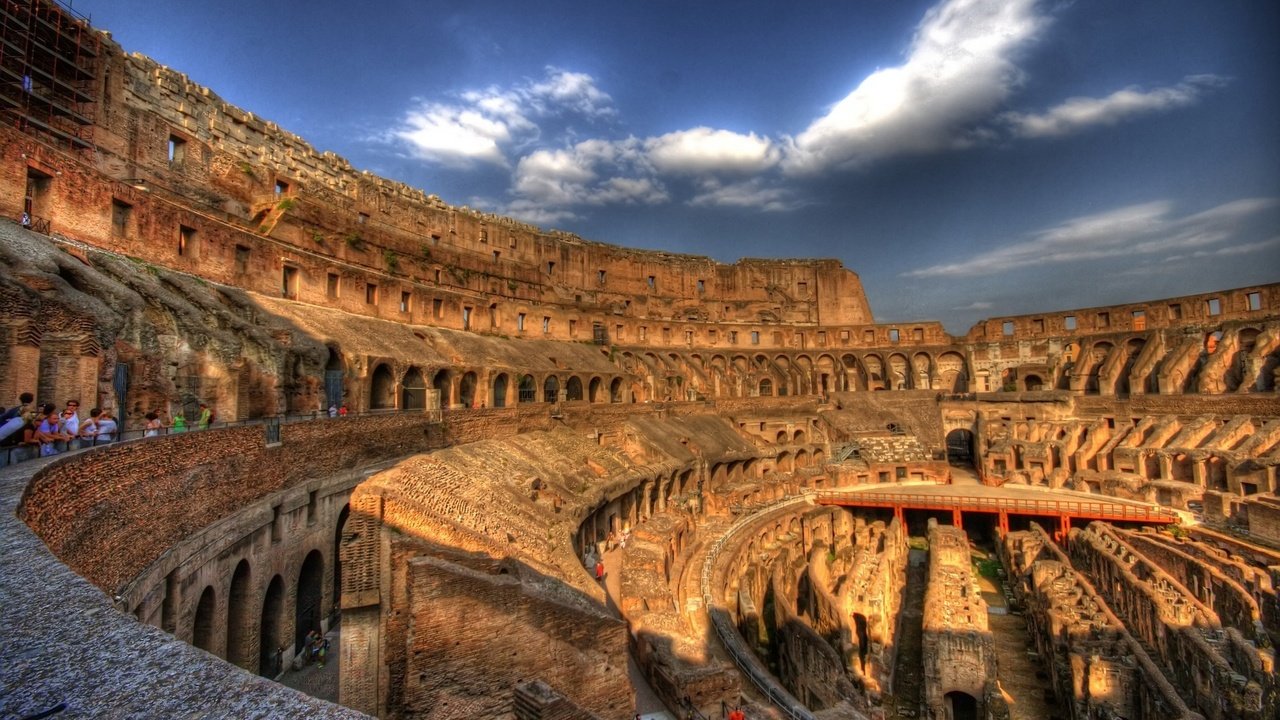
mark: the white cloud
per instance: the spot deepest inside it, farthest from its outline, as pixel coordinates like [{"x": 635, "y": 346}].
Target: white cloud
[
  {"x": 484, "y": 124},
  {"x": 1242, "y": 249},
  {"x": 1081, "y": 113},
  {"x": 1144, "y": 229},
  {"x": 976, "y": 305},
  {"x": 753, "y": 194},
  {"x": 549, "y": 183},
  {"x": 959, "y": 68},
  {"x": 703, "y": 150}
]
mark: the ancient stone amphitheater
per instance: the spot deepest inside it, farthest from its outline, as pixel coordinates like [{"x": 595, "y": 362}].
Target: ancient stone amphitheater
[{"x": 799, "y": 510}]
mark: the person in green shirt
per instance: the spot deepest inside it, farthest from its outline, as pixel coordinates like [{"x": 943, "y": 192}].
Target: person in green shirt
[
  {"x": 206, "y": 416},
  {"x": 179, "y": 422}
]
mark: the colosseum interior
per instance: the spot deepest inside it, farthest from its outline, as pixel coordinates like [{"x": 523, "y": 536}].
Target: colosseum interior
[{"x": 809, "y": 515}]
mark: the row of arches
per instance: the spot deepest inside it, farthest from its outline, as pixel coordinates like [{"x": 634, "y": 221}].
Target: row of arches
[
  {"x": 489, "y": 388},
  {"x": 673, "y": 375},
  {"x": 254, "y": 620}
]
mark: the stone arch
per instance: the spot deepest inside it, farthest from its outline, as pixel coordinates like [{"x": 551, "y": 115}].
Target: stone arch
[
  {"x": 802, "y": 458},
  {"x": 527, "y": 391},
  {"x": 499, "y": 396},
  {"x": 382, "y": 388},
  {"x": 828, "y": 378},
  {"x": 573, "y": 389},
  {"x": 952, "y": 375},
  {"x": 922, "y": 371},
  {"x": 1093, "y": 364},
  {"x": 875, "y": 368},
  {"x": 240, "y": 617},
  {"x": 442, "y": 382},
  {"x": 785, "y": 462},
  {"x": 307, "y": 611},
  {"x": 551, "y": 389},
  {"x": 336, "y": 601},
  {"x": 960, "y": 447},
  {"x": 467, "y": 389},
  {"x": 271, "y": 629},
  {"x": 804, "y": 380},
  {"x": 334, "y": 375},
  {"x": 899, "y": 372},
  {"x": 595, "y": 390},
  {"x": 800, "y": 437},
  {"x": 766, "y": 387},
  {"x": 782, "y": 438},
  {"x": 960, "y": 705},
  {"x": 203, "y": 624},
  {"x": 615, "y": 390},
  {"x": 413, "y": 390}
]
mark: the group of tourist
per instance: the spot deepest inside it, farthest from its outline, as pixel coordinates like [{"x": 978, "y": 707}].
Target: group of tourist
[
  {"x": 42, "y": 430},
  {"x": 316, "y": 647},
  {"x": 30, "y": 430}
]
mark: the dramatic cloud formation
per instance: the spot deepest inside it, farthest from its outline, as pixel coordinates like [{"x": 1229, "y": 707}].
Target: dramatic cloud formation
[
  {"x": 1077, "y": 114},
  {"x": 703, "y": 151},
  {"x": 752, "y": 193},
  {"x": 1144, "y": 229},
  {"x": 483, "y": 124},
  {"x": 959, "y": 69},
  {"x": 593, "y": 172}
]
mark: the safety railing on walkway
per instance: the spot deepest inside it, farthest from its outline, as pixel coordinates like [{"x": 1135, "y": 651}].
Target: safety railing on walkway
[{"x": 1098, "y": 509}]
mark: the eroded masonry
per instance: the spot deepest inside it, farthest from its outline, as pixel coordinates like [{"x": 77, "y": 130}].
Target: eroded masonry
[{"x": 796, "y": 509}]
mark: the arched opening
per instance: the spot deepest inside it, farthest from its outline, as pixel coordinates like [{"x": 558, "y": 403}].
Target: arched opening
[
  {"x": 960, "y": 706},
  {"x": 467, "y": 390},
  {"x": 782, "y": 437},
  {"x": 595, "y": 390},
  {"x": 202, "y": 627},
  {"x": 800, "y": 438},
  {"x": 766, "y": 387},
  {"x": 528, "y": 390},
  {"x": 960, "y": 447},
  {"x": 337, "y": 559},
  {"x": 441, "y": 384},
  {"x": 1033, "y": 382},
  {"x": 551, "y": 389},
  {"x": 382, "y": 390},
  {"x": 238, "y": 617},
  {"x": 413, "y": 391},
  {"x": 270, "y": 644},
  {"x": 333, "y": 374},
  {"x": 615, "y": 390},
  {"x": 573, "y": 389},
  {"x": 499, "y": 397},
  {"x": 310, "y": 594}
]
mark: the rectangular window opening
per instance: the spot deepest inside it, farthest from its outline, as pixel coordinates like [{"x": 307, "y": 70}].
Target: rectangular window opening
[
  {"x": 331, "y": 286},
  {"x": 289, "y": 282},
  {"x": 186, "y": 239},
  {"x": 520, "y": 321},
  {"x": 177, "y": 150},
  {"x": 437, "y": 308},
  {"x": 1069, "y": 322},
  {"x": 1213, "y": 306},
  {"x": 1254, "y": 300},
  {"x": 894, "y": 335},
  {"x": 120, "y": 213},
  {"x": 466, "y": 317},
  {"x": 406, "y": 300}
]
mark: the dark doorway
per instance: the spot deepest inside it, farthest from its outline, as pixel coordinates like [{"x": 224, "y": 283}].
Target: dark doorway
[
  {"x": 337, "y": 561},
  {"x": 382, "y": 392},
  {"x": 310, "y": 594},
  {"x": 962, "y": 706},
  {"x": 269, "y": 640},
  {"x": 202, "y": 631},
  {"x": 333, "y": 379},
  {"x": 499, "y": 398},
  {"x": 413, "y": 390},
  {"x": 960, "y": 448},
  {"x": 238, "y": 616}
]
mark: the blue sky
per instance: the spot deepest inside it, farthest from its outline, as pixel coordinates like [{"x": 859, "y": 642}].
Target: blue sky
[{"x": 968, "y": 158}]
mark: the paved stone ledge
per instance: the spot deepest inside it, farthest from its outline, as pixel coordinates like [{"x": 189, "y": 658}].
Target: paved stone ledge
[{"x": 64, "y": 644}]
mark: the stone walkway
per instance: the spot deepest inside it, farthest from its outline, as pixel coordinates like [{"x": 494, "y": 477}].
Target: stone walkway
[
  {"x": 646, "y": 699},
  {"x": 318, "y": 682}
]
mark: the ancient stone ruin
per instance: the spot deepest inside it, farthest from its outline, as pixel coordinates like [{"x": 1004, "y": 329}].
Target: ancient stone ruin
[{"x": 796, "y": 509}]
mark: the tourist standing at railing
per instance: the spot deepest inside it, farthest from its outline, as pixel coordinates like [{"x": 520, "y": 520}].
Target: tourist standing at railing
[
  {"x": 107, "y": 428},
  {"x": 206, "y": 417},
  {"x": 11, "y": 421},
  {"x": 153, "y": 424},
  {"x": 71, "y": 424},
  {"x": 49, "y": 430},
  {"x": 179, "y": 422}
]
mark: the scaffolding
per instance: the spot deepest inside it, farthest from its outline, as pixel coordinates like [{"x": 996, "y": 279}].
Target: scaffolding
[{"x": 48, "y": 72}]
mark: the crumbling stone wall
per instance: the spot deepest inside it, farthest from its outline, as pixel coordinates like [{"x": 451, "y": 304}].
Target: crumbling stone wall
[{"x": 958, "y": 649}]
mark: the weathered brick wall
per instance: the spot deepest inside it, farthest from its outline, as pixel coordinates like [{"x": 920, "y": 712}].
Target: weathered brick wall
[
  {"x": 492, "y": 628},
  {"x": 109, "y": 512},
  {"x": 1264, "y": 519}
]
